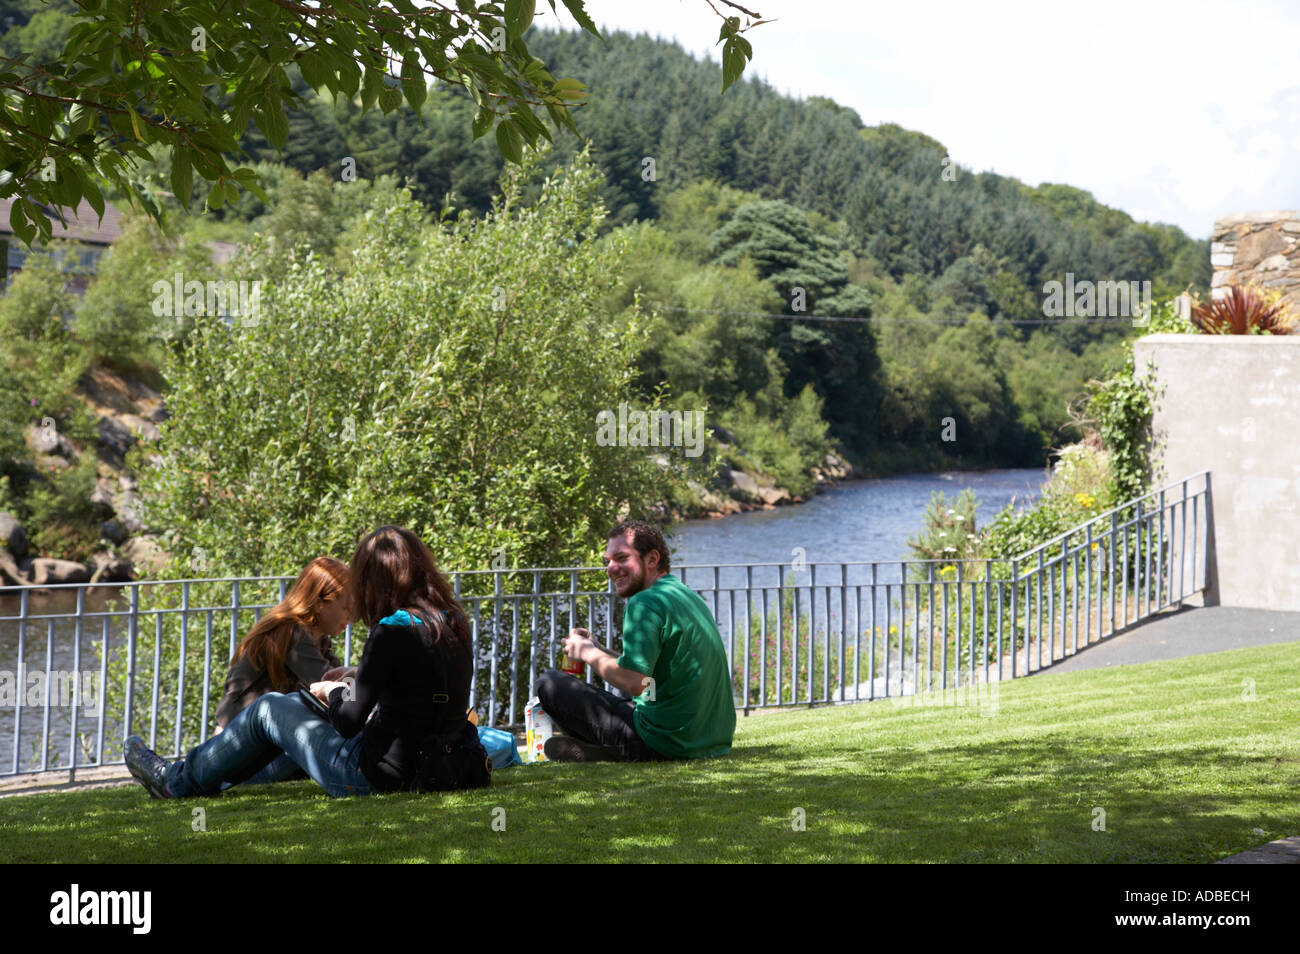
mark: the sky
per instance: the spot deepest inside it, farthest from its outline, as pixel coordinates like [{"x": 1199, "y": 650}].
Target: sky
[{"x": 1178, "y": 112}]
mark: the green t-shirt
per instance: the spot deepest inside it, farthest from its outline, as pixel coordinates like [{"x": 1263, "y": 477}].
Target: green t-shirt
[{"x": 669, "y": 634}]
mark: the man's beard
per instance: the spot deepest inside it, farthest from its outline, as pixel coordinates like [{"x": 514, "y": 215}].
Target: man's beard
[{"x": 634, "y": 583}]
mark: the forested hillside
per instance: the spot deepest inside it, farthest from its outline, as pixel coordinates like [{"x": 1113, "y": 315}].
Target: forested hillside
[{"x": 872, "y": 222}]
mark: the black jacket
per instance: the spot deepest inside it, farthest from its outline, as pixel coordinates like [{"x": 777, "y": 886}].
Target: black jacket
[{"x": 419, "y": 679}]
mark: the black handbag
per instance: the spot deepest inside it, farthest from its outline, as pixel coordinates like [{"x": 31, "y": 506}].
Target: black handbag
[{"x": 448, "y": 762}]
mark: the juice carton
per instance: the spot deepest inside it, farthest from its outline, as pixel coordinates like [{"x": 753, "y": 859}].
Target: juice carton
[{"x": 539, "y": 728}]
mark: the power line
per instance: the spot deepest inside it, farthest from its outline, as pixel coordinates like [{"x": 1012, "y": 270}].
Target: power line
[{"x": 878, "y": 319}]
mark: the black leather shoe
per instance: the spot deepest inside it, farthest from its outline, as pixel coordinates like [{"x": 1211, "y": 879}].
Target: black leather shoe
[
  {"x": 563, "y": 748},
  {"x": 146, "y": 767}
]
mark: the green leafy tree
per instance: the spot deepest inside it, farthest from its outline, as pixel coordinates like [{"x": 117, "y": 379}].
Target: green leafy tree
[
  {"x": 187, "y": 79},
  {"x": 449, "y": 380}
]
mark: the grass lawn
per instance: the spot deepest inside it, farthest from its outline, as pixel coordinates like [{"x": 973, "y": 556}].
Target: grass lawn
[{"x": 1184, "y": 765}]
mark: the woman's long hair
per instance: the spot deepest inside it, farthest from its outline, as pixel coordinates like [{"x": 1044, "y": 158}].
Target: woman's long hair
[
  {"x": 392, "y": 569},
  {"x": 267, "y": 644}
]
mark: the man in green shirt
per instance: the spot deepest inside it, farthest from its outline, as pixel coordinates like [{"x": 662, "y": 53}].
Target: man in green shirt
[{"x": 673, "y": 664}]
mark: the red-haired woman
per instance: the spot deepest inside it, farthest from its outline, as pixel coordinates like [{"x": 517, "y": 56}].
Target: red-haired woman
[
  {"x": 414, "y": 677},
  {"x": 289, "y": 647}
]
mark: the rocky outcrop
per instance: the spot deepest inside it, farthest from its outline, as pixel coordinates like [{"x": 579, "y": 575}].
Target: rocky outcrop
[
  {"x": 733, "y": 490},
  {"x": 145, "y": 554},
  {"x": 833, "y": 469},
  {"x": 110, "y": 569},
  {"x": 128, "y": 413},
  {"x": 13, "y": 537},
  {"x": 47, "y": 572}
]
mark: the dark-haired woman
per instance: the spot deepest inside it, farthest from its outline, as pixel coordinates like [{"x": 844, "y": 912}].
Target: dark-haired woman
[
  {"x": 289, "y": 647},
  {"x": 415, "y": 670}
]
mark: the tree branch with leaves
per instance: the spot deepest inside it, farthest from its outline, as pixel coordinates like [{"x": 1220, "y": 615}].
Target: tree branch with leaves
[{"x": 139, "y": 78}]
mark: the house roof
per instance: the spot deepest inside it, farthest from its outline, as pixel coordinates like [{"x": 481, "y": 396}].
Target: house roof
[{"x": 83, "y": 225}]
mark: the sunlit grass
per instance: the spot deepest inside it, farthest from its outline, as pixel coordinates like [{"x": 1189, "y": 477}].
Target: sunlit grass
[{"x": 1183, "y": 762}]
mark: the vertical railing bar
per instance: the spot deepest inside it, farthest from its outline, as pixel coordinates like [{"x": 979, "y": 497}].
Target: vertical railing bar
[
  {"x": 207, "y": 675},
  {"x": 494, "y": 645},
  {"x": 780, "y": 632},
  {"x": 1087, "y": 567},
  {"x": 857, "y": 643},
  {"x": 812, "y": 638},
  {"x": 1182, "y": 546},
  {"x": 234, "y": 626},
  {"x": 23, "y": 608},
  {"x": 73, "y": 741},
  {"x": 1038, "y": 604},
  {"x": 1110, "y": 566},
  {"x": 930, "y": 603},
  {"x": 133, "y": 633},
  {"x": 797, "y": 613},
  {"x": 844, "y": 621},
  {"x": 475, "y": 636},
  {"x": 943, "y": 642},
  {"x": 749, "y": 627},
  {"x": 514, "y": 656},
  {"x": 916, "y": 631},
  {"x": 532, "y": 634},
  {"x": 871, "y": 663},
  {"x": 180, "y": 677},
  {"x": 998, "y": 590},
  {"x": 103, "y": 683},
  {"x": 49, "y": 667},
  {"x": 988, "y": 589},
  {"x": 1015, "y": 619},
  {"x": 1074, "y": 592},
  {"x": 731, "y": 635},
  {"x": 1144, "y": 559},
  {"x": 1161, "y": 601},
  {"x": 157, "y": 667},
  {"x": 902, "y": 629},
  {"x": 970, "y": 678},
  {"x": 553, "y": 632},
  {"x": 889, "y": 625},
  {"x": 1196, "y": 516}
]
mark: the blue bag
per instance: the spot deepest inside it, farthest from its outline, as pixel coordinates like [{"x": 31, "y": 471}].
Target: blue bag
[{"x": 500, "y": 746}]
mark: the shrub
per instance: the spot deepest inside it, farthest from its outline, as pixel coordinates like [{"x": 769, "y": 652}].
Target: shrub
[{"x": 1244, "y": 311}]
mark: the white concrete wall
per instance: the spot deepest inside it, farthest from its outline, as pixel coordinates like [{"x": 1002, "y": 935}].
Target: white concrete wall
[{"x": 1231, "y": 405}]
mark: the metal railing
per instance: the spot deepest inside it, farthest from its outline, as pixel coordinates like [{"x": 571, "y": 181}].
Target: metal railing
[{"x": 81, "y": 667}]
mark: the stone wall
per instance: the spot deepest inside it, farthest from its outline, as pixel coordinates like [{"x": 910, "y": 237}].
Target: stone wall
[{"x": 1263, "y": 246}]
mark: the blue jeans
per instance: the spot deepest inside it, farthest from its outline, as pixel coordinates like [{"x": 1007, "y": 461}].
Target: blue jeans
[
  {"x": 275, "y": 724},
  {"x": 280, "y": 769}
]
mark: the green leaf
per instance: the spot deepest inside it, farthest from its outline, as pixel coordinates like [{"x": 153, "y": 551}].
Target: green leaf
[
  {"x": 519, "y": 16},
  {"x": 182, "y": 175},
  {"x": 371, "y": 86},
  {"x": 274, "y": 124},
  {"x": 254, "y": 187},
  {"x": 78, "y": 119},
  {"x": 312, "y": 66},
  {"x": 20, "y": 223},
  {"x": 482, "y": 122},
  {"x": 93, "y": 195},
  {"x": 509, "y": 143},
  {"x": 413, "y": 82},
  {"x": 216, "y": 197},
  {"x": 390, "y": 99},
  {"x": 733, "y": 64},
  {"x": 579, "y": 12}
]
